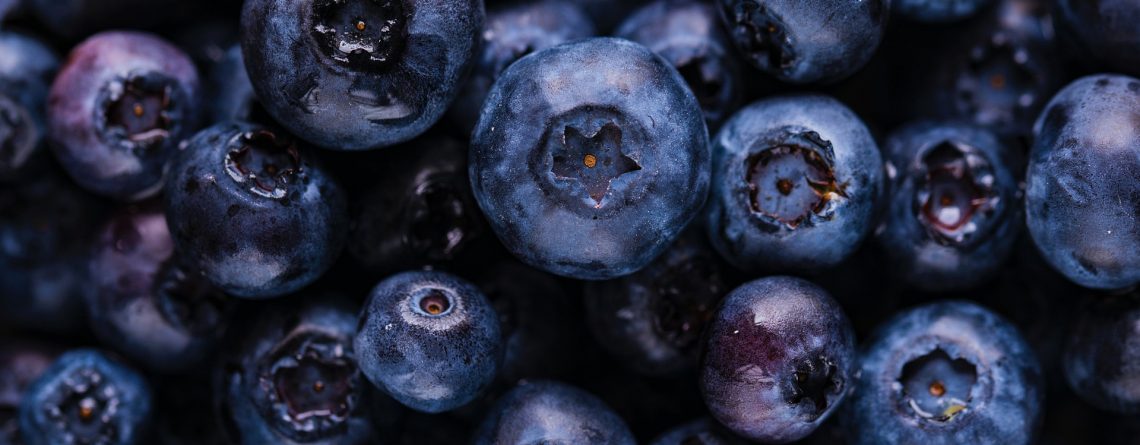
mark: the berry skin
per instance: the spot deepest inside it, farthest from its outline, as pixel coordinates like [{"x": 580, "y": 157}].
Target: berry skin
[
  {"x": 86, "y": 397},
  {"x": 937, "y": 11},
  {"x": 796, "y": 184},
  {"x": 542, "y": 411},
  {"x": 25, "y": 77},
  {"x": 363, "y": 74},
  {"x": 779, "y": 357},
  {"x": 689, "y": 36},
  {"x": 250, "y": 207},
  {"x": 1082, "y": 197},
  {"x": 291, "y": 377},
  {"x": 430, "y": 340},
  {"x": 1102, "y": 362},
  {"x": 1105, "y": 30},
  {"x": 946, "y": 373},
  {"x": 591, "y": 185},
  {"x": 145, "y": 304},
  {"x": 510, "y": 33},
  {"x": 804, "y": 41},
  {"x": 232, "y": 95},
  {"x": 953, "y": 215},
  {"x": 703, "y": 431}
]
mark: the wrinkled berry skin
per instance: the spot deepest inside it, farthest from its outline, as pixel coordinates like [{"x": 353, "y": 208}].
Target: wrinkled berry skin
[
  {"x": 422, "y": 51},
  {"x": 689, "y": 36},
  {"x": 21, "y": 363},
  {"x": 118, "y": 109},
  {"x": 543, "y": 411},
  {"x": 652, "y": 320},
  {"x": 1105, "y": 30},
  {"x": 589, "y": 158},
  {"x": 1082, "y": 197},
  {"x": 779, "y": 357},
  {"x": 25, "y": 76},
  {"x": 803, "y": 41},
  {"x": 142, "y": 302},
  {"x": 253, "y": 210},
  {"x": 937, "y": 11},
  {"x": 796, "y": 183},
  {"x": 703, "y": 431},
  {"x": 430, "y": 340},
  {"x": 953, "y": 214},
  {"x": 974, "y": 380},
  {"x": 116, "y": 399},
  {"x": 1102, "y": 361},
  {"x": 510, "y": 33},
  {"x": 291, "y": 377}
]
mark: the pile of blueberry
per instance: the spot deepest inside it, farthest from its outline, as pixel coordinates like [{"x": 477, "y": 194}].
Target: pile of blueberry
[{"x": 672, "y": 222}]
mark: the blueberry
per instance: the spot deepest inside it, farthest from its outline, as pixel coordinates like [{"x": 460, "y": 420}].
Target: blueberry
[
  {"x": 25, "y": 77},
  {"x": 796, "y": 183},
  {"x": 418, "y": 209},
  {"x": 953, "y": 215},
  {"x": 254, "y": 211},
  {"x": 652, "y": 320},
  {"x": 429, "y": 339},
  {"x": 143, "y": 302},
  {"x": 359, "y": 74},
  {"x": 806, "y": 41},
  {"x": 779, "y": 357},
  {"x": 935, "y": 11},
  {"x": 543, "y": 411},
  {"x": 118, "y": 109},
  {"x": 291, "y": 377},
  {"x": 231, "y": 92},
  {"x": 1101, "y": 361},
  {"x": 21, "y": 363},
  {"x": 589, "y": 158},
  {"x": 688, "y": 35},
  {"x": 510, "y": 33},
  {"x": 86, "y": 397},
  {"x": 950, "y": 372},
  {"x": 1105, "y": 31},
  {"x": 1082, "y": 197},
  {"x": 703, "y": 431}
]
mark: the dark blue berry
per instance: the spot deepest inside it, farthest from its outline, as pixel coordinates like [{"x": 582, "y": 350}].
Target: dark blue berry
[
  {"x": 593, "y": 184},
  {"x": 1102, "y": 362},
  {"x": 934, "y": 11},
  {"x": 72, "y": 19},
  {"x": 549, "y": 412},
  {"x": 21, "y": 363},
  {"x": 232, "y": 96},
  {"x": 703, "y": 431},
  {"x": 25, "y": 76},
  {"x": 1104, "y": 30}
]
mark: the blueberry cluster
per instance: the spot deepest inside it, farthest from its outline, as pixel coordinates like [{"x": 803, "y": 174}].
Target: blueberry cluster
[{"x": 569, "y": 222}]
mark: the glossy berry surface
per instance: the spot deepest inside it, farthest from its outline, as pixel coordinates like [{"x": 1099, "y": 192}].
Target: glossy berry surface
[
  {"x": 146, "y": 304},
  {"x": 1101, "y": 360},
  {"x": 1082, "y": 198},
  {"x": 291, "y": 377},
  {"x": 86, "y": 397},
  {"x": 945, "y": 373},
  {"x": 801, "y": 41},
  {"x": 953, "y": 214},
  {"x": 359, "y": 74},
  {"x": 253, "y": 210},
  {"x": 118, "y": 109},
  {"x": 594, "y": 184},
  {"x": 429, "y": 339},
  {"x": 779, "y": 357},
  {"x": 25, "y": 76},
  {"x": 796, "y": 184},
  {"x": 543, "y": 411}
]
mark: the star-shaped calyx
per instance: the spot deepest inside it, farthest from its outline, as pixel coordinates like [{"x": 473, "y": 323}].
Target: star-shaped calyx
[{"x": 593, "y": 160}]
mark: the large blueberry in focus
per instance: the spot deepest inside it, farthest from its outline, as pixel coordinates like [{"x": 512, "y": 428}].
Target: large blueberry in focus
[
  {"x": 21, "y": 363},
  {"x": 1102, "y": 362},
  {"x": 253, "y": 210},
  {"x": 25, "y": 76},
  {"x": 86, "y": 397},
  {"x": 937, "y": 10},
  {"x": 1083, "y": 198},
  {"x": 430, "y": 340},
  {"x": 779, "y": 357},
  {"x": 806, "y": 41},
  {"x": 688, "y": 34},
  {"x": 954, "y": 213},
  {"x": 796, "y": 182},
  {"x": 1105, "y": 30},
  {"x": 291, "y": 378},
  {"x": 142, "y": 301},
  {"x": 946, "y": 373},
  {"x": 590, "y": 158},
  {"x": 359, "y": 74},
  {"x": 549, "y": 412},
  {"x": 118, "y": 110},
  {"x": 510, "y": 33}
]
